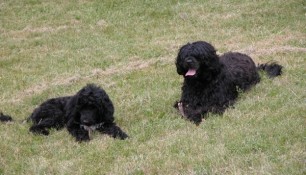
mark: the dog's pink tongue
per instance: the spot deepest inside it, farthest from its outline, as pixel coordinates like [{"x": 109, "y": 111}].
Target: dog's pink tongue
[{"x": 191, "y": 72}]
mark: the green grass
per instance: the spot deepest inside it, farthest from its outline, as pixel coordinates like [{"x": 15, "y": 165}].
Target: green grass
[{"x": 53, "y": 48}]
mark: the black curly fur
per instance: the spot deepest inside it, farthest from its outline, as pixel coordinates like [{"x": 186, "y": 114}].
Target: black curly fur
[
  {"x": 5, "y": 118},
  {"x": 273, "y": 69},
  {"x": 90, "y": 106},
  {"x": 211, "y": 82}
]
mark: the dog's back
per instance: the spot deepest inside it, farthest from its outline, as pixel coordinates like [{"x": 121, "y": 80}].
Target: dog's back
[
  {"x": 240, "y": 69},
  {"x": 53, "y": 107}
]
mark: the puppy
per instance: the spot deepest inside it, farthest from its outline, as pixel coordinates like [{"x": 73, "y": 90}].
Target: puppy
[{"x": 88, "y": 110}]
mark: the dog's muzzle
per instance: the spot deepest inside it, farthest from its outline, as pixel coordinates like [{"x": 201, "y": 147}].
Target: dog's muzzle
[{"x": 91, "y": 128}]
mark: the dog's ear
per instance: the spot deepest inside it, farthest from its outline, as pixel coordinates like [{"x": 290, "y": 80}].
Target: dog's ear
[
  {"x": 179, "y": 68},
  {"x": 106, "y": 109},
  {"x": 71, "y": 109},
  {"x": 182, "y": 54},
  {"x": 205, "y": 51},
  {"x": 208, "y": 56}
]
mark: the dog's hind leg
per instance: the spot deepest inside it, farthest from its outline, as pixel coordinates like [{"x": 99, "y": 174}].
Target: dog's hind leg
[
  {"x": 42, "y": 126},
  {"x": 113, "y": 130}
]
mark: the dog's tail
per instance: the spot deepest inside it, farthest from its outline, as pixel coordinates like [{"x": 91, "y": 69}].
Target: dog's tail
[
  {"x": 271, "y": 68},
  {"x": 5, "y": 118}
]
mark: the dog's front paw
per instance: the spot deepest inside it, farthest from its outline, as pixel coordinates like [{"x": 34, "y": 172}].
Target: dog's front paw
[
  {"x": 39, "y": 130},
  {"x": 82, "y": 138},
  {"x": 79, "y": 134},
  {"x": 176, "y": 104},
  {"x": 196, "y": 119},
  {"x": 181, "y": 109}
]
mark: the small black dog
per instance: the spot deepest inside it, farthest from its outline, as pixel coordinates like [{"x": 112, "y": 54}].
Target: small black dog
[
  {"x": 90, "y": 109},
  {"x": 211, "y": 83}
]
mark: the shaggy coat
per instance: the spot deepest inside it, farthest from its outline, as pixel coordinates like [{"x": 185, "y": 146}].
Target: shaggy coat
[
  {"x": 211, "y": 82},
  {"x": 90, "y": 109}
]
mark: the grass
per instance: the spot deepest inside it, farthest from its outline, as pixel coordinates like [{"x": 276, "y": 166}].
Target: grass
[{"x": 53, "y": 48}]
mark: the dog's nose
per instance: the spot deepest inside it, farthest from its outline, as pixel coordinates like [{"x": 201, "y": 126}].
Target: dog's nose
[
  {"x": 189, "y": 59},
  {"x": 86, "y": 122}
]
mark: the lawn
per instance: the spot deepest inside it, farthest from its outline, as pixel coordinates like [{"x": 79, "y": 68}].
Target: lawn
[{"x": 54, "y": 48}]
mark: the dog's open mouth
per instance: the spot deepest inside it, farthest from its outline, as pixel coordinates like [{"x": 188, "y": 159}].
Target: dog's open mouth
[
  {"x": 92, "y": 128},
  {"x": 191, "y": 72},
  {"x": 89, "y": 129}
]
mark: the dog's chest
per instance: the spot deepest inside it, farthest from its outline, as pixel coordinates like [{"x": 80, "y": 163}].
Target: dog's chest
[{"x": 197, "y": 93}]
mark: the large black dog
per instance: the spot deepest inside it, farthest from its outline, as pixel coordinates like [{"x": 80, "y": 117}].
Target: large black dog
[
  {"x": 212, "y": 82},
  {"x": 90, "y": 109}
]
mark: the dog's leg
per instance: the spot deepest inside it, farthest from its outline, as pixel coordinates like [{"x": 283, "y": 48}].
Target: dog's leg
[
  {"x": 43, "y": 125},
  {"x": 176, "y": 104},
  {"x": 195, "y": 118},
  {"x": 179, "y": 105},
  {"x": 79, "y": 133},
  {"x": 191, "y": 113},
  {"x": 181, "y": 109},
  {"x": 113, "y": 130}
]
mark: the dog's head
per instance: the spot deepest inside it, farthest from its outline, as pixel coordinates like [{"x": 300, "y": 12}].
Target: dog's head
[
  {"x": 198, "y": 59},
  {"x": 89, "y": 115},
  {"x": 91, "y": 106}
]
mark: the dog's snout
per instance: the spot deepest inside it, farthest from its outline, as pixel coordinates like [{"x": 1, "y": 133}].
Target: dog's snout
[
  {"x": 86, "y": 122},
  {"x": 189, "y": 60}
]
